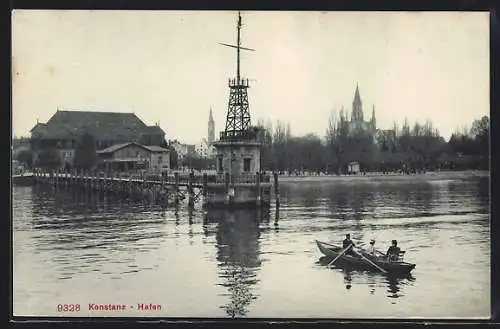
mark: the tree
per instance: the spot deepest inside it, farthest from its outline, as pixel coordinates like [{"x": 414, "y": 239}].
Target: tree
[
  {"x": 48, "y": 159},
  {"x": 337, "y": 137},
  {"x": 480, "y": 131},
  {"x": 280, "y": 145},
  {"x": 25, "y": 157},
  {"x": 85, "y": 155},
  {"x": 266, "y": 150},
  {"x": 173, "y": 155}
]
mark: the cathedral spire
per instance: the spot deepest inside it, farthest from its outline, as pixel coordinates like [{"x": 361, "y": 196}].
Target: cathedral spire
[
  {"x": 356, "y": 94},
  {"x": 357, "y": 107},
  {"x": 210, "y": 116}
]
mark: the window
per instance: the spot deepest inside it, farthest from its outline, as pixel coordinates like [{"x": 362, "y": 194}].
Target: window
[
  {"x": 246, "y": 164},
  {"x": 160, "y": 159},
  {"x": 219, "y": 164}
]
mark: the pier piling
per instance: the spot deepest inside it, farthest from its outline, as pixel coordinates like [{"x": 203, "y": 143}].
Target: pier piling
[
  {"x": 205, "y": 190},
  {"x": 176, "y": 188}
]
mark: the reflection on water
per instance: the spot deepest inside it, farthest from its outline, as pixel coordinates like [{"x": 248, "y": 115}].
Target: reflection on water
[
  {"x": 253, "y": 264},
  {"x": 395, "y": 285},
  {"x": 238, "y": 255}
]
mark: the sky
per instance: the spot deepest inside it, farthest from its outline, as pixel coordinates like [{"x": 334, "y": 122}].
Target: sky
[{"x": 167, "y": 67}]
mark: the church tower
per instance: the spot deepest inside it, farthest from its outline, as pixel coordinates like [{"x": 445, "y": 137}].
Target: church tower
[
  {"x": 211, "y": 129},
  {"x": 357, "y": 107},
  {"x": 373, "y": 121}
]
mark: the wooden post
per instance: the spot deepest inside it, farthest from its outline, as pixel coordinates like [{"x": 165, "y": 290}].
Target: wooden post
[
  {"x": 276, "y": 189},
  {"x": 205, "y": 190},
  {"x": 258, "y": 188},
  {"x": 190, "y": 190},
  {"x": 105, "y": 182},
  {"x": 176, "y": 188}
]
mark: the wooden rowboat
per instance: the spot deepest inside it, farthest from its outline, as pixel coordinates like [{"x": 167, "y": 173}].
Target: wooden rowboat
[{"x": 353, "y": 261}]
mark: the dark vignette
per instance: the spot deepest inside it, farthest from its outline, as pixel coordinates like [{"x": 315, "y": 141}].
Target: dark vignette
[{"x": 392, "y": 5}]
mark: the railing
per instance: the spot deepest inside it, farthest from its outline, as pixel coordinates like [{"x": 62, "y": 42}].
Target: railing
[
  {"x": 235, "y": 135},
  {"x": 181, "y": 179}
]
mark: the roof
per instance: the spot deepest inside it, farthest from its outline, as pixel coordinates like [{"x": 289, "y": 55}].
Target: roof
[
  {"x": 154, "y": 148},
  {"x": 116, "y": 147},
  {"x": 102, "y": 125}
]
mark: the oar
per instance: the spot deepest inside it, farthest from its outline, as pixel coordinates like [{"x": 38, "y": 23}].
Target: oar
[
  {"x": 329, "y": 244},
  {"x": 343, "y": 252},
  {"x": 369, "y": 261}
]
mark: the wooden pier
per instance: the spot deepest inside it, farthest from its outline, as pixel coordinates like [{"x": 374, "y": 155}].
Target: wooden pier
[{"x": 211, "y": 190}]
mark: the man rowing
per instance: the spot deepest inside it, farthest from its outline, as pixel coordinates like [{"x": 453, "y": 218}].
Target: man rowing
[
  {"x": 348, "y": 242},
  {"x": 393, "y": 251}
]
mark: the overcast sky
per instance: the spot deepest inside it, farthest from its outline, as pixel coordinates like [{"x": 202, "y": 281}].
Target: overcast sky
[{"x": 168, "y": 66}]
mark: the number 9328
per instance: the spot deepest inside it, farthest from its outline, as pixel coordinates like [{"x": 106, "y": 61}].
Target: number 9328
[{"x": 68, "y": 307}]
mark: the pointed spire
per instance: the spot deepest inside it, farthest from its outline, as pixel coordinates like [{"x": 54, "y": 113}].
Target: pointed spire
[
  {"x": 210, "y": 116},
  {"x": 373, "y": 112},
  {"x": 356, "y": 93},
  {"x": 357, "y": 107}
]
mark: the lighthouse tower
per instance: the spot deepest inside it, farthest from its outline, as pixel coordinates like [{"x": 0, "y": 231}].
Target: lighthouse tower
[{"x": 238, "y": 148}]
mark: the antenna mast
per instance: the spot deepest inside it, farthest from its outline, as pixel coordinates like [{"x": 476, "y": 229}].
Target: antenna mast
[{"x": 238, "y": 115}]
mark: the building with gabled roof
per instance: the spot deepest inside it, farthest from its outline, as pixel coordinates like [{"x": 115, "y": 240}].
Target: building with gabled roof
[
  {"x": 133, "y": 156},
  {"x": 65, "y": 128}
]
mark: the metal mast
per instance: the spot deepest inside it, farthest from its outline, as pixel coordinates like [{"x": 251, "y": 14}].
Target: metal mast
[{"x": 238, "y": 114}]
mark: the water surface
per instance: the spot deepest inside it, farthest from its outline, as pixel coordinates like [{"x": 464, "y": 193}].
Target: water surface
[{"x": 71, "y": 247}]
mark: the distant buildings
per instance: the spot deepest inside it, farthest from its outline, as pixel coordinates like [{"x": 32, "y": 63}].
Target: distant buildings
[
  {"x": 63, "y": 131},
  {"x": 183, "y": 150}
]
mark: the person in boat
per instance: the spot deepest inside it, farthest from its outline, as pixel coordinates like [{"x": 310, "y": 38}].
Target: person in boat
[
  {"x": 347, "y": 242},
  {"x": 393, "y": 251},
  {"x": 371, "y": 248}
]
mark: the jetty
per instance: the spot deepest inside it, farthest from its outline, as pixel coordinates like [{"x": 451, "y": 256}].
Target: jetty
[{"x": 159, "y": 188}]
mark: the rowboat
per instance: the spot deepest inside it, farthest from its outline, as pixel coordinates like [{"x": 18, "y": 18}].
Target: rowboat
[{"x": 355, "y": 261}]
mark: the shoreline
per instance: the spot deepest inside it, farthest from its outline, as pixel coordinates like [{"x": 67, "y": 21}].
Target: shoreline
[{"x": 430, "y": 175}]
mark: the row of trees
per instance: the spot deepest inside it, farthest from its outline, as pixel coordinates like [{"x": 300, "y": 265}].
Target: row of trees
[{"x": 414, "y": 147}]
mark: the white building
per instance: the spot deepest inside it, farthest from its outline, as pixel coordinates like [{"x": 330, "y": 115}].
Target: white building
[
  {"x": 133, "y": 156},
  {"x": 204, "y": 149},
  {"x": 183, "y": 150}
]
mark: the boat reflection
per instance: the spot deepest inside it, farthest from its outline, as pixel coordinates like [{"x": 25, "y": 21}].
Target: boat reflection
[
  {"x": 393, "y": 285},
  {"x": 347, "y": 279},
  {"x": 237, "y": 242}
]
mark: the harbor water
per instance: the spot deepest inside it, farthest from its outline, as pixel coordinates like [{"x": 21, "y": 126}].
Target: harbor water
[{"x": 125, "y": 258}]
